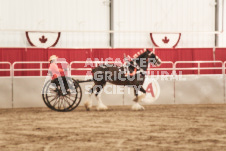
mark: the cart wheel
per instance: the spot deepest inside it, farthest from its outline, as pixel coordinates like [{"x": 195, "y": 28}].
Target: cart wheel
[{"x": 56, "y": 100}]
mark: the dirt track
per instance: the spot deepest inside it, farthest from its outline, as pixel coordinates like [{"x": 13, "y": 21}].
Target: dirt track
[{"x": 159, "y": 127}]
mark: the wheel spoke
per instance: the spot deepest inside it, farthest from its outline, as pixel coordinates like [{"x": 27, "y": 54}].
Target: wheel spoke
[
  {"x": 52, "y": 95},
  {"x": 60, "y": 104},
  {"x": 56, "y": 102},
  {"x": 53, "y": 91},
  {"x": 65, "y": 101},
  {"x": 73, "y": 95},
  {"x": 70, "y": 98},
  {"x": 54, "y": 98}
]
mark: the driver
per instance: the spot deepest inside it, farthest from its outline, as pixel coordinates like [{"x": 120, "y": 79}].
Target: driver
[{"x": 58, "y": 74}]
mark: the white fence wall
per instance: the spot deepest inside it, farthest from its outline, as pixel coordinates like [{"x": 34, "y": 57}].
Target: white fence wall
[
  {"x": 27, "y": 92},
  {"x": 6, "y": 92},
  {"x": 56, "y": 15},
  {"x": 202, "y": 89},
  {"x": 196, "y": 89},
  {"x": 164, "y": 16},
  {"x": 222, "y": 23},
  {"x": 94, "y": 15},
  {"x": 166, "y": 92}
]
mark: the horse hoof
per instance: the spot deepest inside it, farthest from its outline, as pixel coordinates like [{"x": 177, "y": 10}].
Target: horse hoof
[
  {"x": 102, "y": 108},
  {"x": 138, "y": 107},
  {"x": 87, "y": 105}
]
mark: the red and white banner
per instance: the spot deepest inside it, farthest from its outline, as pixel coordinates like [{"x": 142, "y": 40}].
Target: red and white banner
[
  {"x": 165, "y": 40},
  {"x": 43, "y": 39}
]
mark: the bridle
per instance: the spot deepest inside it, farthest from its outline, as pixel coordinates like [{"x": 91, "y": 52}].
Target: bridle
[{"x": 150, "y": 53}]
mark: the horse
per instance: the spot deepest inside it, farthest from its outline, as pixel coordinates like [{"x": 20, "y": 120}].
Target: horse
[{"x": 132, "y": 74}]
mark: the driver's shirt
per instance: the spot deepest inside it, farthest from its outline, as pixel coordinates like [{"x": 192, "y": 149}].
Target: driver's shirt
[{"x": 56, "y": 72}]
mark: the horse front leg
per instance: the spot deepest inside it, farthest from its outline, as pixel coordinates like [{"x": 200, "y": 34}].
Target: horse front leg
[
  {"x": 100, "y": 104},
  {"x": 89, "y": 103},
  {"x": 136, "y": 106}
]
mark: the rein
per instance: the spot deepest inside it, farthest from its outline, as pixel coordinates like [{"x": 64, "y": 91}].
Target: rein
[{"x": 133, "y": 73}]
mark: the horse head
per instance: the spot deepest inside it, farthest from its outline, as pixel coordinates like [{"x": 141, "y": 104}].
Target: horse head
[
  {"x": 147, "y": 57},
  {"x": 154, "y": 59}
]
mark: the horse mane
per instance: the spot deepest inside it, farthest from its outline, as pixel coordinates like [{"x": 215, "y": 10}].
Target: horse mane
[
  {"x": 143, "y": 55},
  {"x": 140, "y": 54}
]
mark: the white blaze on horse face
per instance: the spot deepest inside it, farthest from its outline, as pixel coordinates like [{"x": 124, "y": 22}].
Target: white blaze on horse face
[
  {"x": 159, "y": 61},
  {"x": 153, "y": 62}
]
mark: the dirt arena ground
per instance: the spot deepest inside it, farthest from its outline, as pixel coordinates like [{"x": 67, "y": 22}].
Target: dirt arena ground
[{"x": 159, "y": 127}]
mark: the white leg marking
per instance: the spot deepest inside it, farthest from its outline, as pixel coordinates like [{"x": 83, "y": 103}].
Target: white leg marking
[
  {"x": 100, "y": 105},
  {"x": 88, "y": 103},
  {"x": 142, "y": 96},
  {"x": 137, "y": 107}
]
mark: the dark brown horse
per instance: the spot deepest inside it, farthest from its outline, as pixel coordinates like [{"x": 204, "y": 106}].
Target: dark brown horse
[{"x": 132, "y": 74}]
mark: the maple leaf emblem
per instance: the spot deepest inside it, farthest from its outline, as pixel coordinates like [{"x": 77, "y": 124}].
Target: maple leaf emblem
[
  {"x": 43, "y": 39},
  {"x": 165, "y": 40}
]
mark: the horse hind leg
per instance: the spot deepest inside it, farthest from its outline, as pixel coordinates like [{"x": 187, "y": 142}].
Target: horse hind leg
[
  {"x": 100, "y": 104},
  {"x": 88, "y": 103},
  {"x": 136, "y": 106}
]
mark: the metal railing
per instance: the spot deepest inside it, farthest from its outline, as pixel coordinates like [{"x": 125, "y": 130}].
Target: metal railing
[
  {"x": 90, "y": 63},
  {"x": 224, "y": 78},
  {"x": 224, "y": 67},
  {"x": 173, "y": 66},
  {"x": 8, "y": 70},
  {"x": 198, "y": 68},
  {"x": 40, "y": 69},
  {"x": 162, "y": 69},
  {"x": 32, "y": 69}
]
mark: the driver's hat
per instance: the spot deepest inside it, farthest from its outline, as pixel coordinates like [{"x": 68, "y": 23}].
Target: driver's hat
[{"x": 53, "y": 57}]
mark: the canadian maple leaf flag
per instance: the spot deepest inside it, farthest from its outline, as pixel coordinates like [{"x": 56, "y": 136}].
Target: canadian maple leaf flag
[
  {"x": 169, "y": 40},
  {"x": 42, "y": 39}
]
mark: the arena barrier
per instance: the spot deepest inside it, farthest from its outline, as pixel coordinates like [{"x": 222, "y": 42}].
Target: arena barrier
[
  {"x": 6, "y": 85},
  {"x": 200, "y": 89},
  {"x": 224, "y": 72},
  {"x": 25, "y": 91}
]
